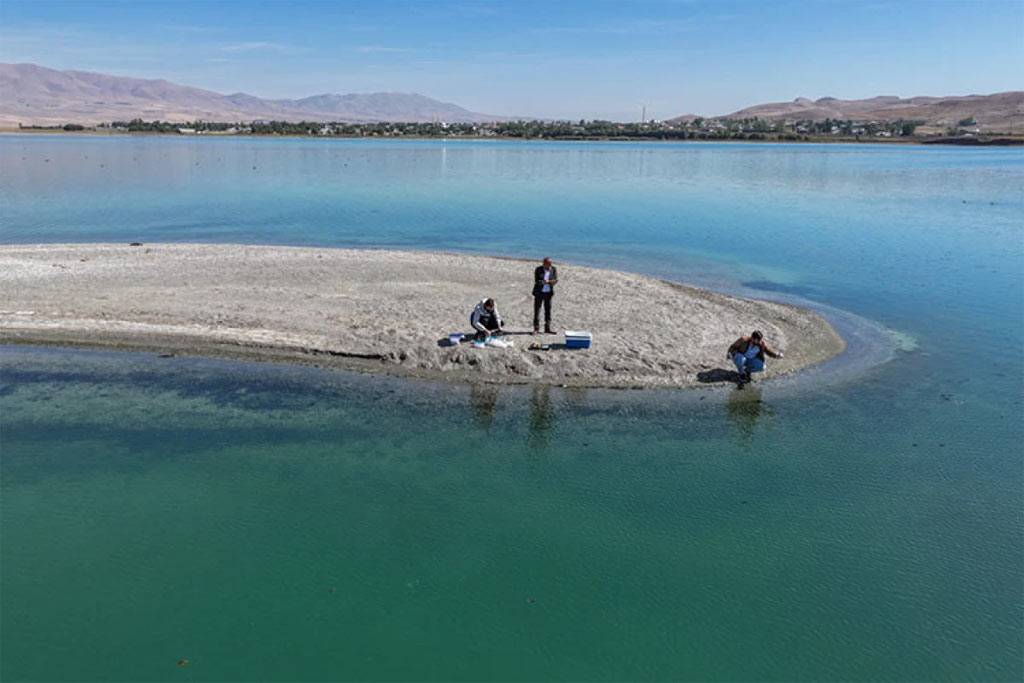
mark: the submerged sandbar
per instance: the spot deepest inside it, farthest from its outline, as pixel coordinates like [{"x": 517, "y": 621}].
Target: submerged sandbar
[{"x": 386, "y": 311}]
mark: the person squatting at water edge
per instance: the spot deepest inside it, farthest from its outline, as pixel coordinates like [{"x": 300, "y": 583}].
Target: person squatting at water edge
[
  {"x": 748, "y": 354},
  {"x": 545, "y": 277},
  {"x": 486, "y": 320}
]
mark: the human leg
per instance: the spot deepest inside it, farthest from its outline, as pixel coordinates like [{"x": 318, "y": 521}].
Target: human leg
[
  {"x": 547, "y": 312},
  {"x": 755, "y": 365},
  {"x": 537, "y": 300},
  {"x": 489, "y": 322},
  {"x": 741, "y": 363}
]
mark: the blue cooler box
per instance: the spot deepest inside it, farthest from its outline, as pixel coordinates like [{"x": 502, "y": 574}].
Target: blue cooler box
[{"x": 577, "y": 339}]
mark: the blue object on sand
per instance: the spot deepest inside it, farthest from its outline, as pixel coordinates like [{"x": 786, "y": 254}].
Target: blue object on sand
[{"x": 577, "y": 339}]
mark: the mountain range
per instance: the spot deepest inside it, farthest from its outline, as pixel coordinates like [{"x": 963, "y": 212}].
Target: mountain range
[
  {"x": 35, "y": 95},
  {"x": 1001, "y": 112}
]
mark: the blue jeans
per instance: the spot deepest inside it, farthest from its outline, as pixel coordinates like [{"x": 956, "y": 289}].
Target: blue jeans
[{"x": 744, "y": 364}]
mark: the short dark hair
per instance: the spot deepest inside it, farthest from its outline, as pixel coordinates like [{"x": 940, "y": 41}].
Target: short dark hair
[
  {"x": 488, "y": 302},
  {"x": 756, "y": 334}
]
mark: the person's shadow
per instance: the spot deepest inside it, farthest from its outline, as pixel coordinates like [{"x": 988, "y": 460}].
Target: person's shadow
[
  {"x": 468, "y": 337},
  {"x": 718, "y": 376}
]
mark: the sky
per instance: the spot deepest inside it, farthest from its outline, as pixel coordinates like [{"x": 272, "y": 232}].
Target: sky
[{"x": 553, "y": 59}]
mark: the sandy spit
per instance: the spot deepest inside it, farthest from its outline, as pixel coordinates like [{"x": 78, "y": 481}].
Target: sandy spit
[{"x": 387, "y": 311}]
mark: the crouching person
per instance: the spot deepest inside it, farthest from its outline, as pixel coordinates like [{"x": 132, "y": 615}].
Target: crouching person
[
  {"x": 748, "y": 354},
  {"x": 486, "y": 320}
]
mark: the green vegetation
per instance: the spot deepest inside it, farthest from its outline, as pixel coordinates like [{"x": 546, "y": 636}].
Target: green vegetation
[
  {"x": 696, "y": 129},
  {"x": 140, "y": 126}
]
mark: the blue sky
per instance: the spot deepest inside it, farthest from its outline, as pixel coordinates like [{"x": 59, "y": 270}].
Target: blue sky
[{"x": 589, "y": 59}]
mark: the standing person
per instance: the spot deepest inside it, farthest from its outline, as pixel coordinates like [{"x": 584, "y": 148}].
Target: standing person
[
  {"x": 545, "y": 277},
  {"x": 748, "y": 354},
  {"x": 485, "y": 319}
]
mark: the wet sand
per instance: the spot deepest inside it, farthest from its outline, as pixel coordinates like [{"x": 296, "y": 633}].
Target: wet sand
[{"x": 388, "y": 311}]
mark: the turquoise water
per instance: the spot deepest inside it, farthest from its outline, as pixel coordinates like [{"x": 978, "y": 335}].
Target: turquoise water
[{"x": 293, "y": 524}]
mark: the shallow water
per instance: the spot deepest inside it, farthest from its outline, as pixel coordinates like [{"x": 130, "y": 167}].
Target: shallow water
[{"x": 283, "y": 523}]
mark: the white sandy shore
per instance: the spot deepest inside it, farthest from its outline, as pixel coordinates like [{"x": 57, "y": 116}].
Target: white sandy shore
[{"x": 386, "y": 311}]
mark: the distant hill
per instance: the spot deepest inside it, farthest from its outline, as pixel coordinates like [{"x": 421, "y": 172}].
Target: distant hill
[
  {"x": 35, "y": 95},
  {"x": 1001, "y": 112}
]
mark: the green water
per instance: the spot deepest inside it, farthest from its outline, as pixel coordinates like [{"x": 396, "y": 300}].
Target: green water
[
  {"x": 291, "y": 524},
  {"x": 862, "y": 521}
]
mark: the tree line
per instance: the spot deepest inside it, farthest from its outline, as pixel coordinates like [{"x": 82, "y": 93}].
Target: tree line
[{"x": 689, "y": 129}]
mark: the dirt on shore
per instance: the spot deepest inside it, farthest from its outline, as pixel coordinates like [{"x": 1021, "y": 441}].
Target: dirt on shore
[{"x": 388, "y": 311}]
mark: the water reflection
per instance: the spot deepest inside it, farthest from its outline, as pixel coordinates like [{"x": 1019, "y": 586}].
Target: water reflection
[
  {"x": 542, "y": 417},
  {"x": 744, "y": 407},
  {"x": 483, "y": 399}
]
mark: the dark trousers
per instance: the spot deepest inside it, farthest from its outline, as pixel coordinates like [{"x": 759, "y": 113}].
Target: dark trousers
[{"x": 542, "y": 299}]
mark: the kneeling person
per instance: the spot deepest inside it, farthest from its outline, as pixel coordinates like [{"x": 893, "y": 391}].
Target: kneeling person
[
  {"x": 486, "y": 319},
  {"x": 748, "y": 354}
]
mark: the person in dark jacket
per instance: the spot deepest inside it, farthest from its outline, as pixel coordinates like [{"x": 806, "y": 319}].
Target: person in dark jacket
[
  {"x": 748, "y": 354},
  {"x": 545, "y": 277}
]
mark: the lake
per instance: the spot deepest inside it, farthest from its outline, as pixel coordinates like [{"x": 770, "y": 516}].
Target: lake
[{"x": 190, "y": 519}]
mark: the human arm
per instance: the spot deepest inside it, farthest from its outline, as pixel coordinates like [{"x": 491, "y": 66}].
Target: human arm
[
  {"x": 474, "y": 320},
  {"x": 734, "y": 348},
  {"x": 768, "y": 351}
]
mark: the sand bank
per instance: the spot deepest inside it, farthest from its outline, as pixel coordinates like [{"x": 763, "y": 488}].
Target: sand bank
[{"x": 386, "y": 311}]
